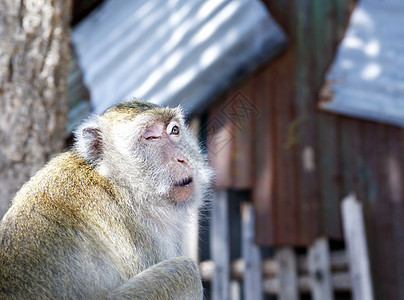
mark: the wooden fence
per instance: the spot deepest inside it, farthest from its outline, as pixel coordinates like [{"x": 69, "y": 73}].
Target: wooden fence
[{"x": 319, "y": 272}]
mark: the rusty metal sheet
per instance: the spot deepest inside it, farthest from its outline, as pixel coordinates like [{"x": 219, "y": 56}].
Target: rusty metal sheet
[
  {"x": 285, "y": 153},
  {"x": 329, "y": 171},
  {"x": 230, "y": 138},
  {"x": 302, "y": 130},
  {"x": 220, "y": 144},
  {"x": 264, "y": 192},
  {"x": 242, "y": 110},
  {"x": 366, "y": 79},
  {"x": 395, "y": 178},
  {"x": 329, "y": 155},
  {"x": 377, "y": 206}
]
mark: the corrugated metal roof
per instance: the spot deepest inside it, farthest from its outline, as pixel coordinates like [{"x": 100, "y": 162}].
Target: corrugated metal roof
[
  {"x": 366, "y": 79},
  {"x": 172, "y": 52}
]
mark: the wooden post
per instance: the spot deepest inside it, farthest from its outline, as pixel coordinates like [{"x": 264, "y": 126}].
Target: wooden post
[
  {"x": 235, "y": 293},
  {"x": 319, "y": 269},
  {"x": 220, "y": 252},
  {"x": 355, "y": 239},
  {"x": 287, "y": 275},
  {"x": 251, "y": 254}
]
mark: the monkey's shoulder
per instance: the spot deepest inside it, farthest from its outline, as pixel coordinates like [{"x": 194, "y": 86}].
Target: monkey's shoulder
[
  {"x": 61, "y": 199},
  {"x": 67, "y": 182},
  {"x": 61, "y": 193},
  {"x": 53, "y": 231}
]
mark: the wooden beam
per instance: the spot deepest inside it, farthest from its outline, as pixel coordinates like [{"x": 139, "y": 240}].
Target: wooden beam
[
  {"x": 252, "y": 256},
  {"x": 220, "y": 252},
  {"x": 340, "y": 283},
  {"x": 355, "y": 239},
  {"x": 287, "y": 275},
  {"x": 320, "y": 271},
  {"x": 338, "y": 260}
]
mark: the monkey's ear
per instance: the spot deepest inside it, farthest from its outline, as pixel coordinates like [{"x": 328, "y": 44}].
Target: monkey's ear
[{"x": 89, "y": 141}]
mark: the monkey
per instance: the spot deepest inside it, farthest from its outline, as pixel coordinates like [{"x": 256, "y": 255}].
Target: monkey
[{"x": 105, "y": 219}]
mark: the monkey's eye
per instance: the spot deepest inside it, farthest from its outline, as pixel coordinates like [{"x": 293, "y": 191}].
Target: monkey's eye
[{"x": 175, "y": 130}]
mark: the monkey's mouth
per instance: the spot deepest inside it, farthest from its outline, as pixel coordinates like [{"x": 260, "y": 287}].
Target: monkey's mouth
[
  {"x": 184, "y": 182},
  {"x": 182, "y": 189}
]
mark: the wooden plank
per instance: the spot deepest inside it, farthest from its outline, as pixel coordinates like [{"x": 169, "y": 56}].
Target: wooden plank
[
  {"x": 342, "y": 12},
  {"x": 285, "y": 151},
  {"x": 341, "y": 282},
  {"x": 264, "y": 192},
  {"x": 242, "y": 111},
  {"x": 353, "y": 164},
  {"x": 308, "y": 192},
  {"x": 235, "y": 235},
  {"x": 311, "y": 27},
  {"x": 355, "y": 239},
  {"x": 338, "y": 260},
  {"x": 271, "y": 286},
  {"x": 395, "y": 174},
  {"x": 329, "y": 178},
  {"x": 251, "y": 253},
  {"x": 324, "y": 38},
  {"x": 378, "y": 212},
  {"x": 235, "y": 290},
  {"x": 220, "y": 252},
  {"x": 235, "y": 227},
  {"x": 287, "y": 276},
  {"x": 269, "y": 268},
  {"x": 319, "y": 265},
  {"x": 219, "y": 141}
]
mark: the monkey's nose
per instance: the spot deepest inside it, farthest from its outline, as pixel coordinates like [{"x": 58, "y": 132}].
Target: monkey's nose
[
  {"x": 183, "y": 162},
  {"x": 181, "y": 159}
]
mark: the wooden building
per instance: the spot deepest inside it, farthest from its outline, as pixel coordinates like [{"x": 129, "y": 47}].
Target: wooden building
[{"x": 298, "y": 161}]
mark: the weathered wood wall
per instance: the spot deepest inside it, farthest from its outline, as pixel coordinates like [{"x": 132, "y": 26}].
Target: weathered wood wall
[{"x": 267, "y": 135}]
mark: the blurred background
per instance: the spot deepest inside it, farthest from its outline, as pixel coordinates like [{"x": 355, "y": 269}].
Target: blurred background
[{"x": 296, "y": 102}]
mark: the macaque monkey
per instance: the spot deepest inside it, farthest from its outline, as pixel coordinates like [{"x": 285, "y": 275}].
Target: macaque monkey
[{"x": 105, "y": 219}]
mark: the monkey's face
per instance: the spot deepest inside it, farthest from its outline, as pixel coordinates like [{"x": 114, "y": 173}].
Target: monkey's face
[
  {"x": 151, "y": 152},
  {"x": 164, "y": 141}
]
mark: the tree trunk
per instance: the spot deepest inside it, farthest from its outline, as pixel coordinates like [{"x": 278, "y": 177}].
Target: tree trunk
[{"x": 34, "y": 55}]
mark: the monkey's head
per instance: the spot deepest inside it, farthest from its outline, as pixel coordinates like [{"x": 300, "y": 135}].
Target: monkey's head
[{"x": 148, "y": 151}]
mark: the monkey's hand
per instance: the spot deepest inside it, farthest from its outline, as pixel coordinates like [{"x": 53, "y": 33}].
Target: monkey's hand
[{"x": 176, "y": 279}]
